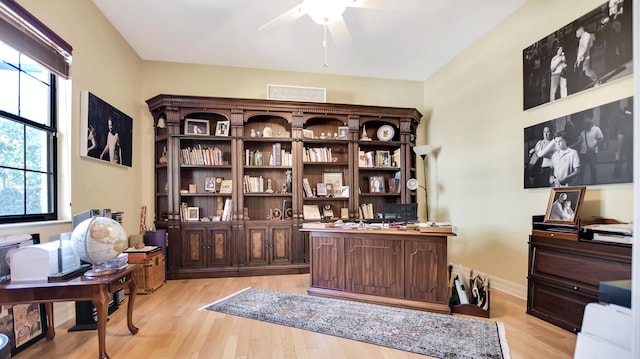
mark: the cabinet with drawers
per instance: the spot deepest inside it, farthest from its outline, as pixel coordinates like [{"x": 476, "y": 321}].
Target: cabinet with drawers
[{"x": 565, "y": 271}]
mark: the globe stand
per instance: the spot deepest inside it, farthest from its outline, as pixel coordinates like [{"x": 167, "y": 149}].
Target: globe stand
[{"x": 99, "y": 270}]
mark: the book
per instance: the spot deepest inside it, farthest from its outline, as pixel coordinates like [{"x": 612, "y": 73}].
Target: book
[
  {"x": 317, "y": 225},
  {"x": 612, "y": 237},
  {"x": 461, "y": 290},
  {"x": 143, "y": 250},
  {"x": 307, "y": 188}
]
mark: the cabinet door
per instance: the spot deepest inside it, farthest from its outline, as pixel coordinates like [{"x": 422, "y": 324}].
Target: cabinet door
[
  {"x": 327, "y": 261},
  {"x": 256, "y": 246},
  {"x": 279, "y": 245},
  {"x": 374, "y": 266},
  {"x": 425, "y": 280},
  {"x": 194, "y": 244},
  {"x": 219, "y": 247}
]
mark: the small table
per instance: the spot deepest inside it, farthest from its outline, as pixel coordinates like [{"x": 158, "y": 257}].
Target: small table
[{"x": 95, "y": 289}]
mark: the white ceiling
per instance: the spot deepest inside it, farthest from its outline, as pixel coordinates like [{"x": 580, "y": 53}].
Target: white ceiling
[{"x": 392, "y": 39}]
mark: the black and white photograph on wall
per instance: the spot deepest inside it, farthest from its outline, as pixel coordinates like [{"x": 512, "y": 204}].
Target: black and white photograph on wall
[
  {"x": 588, "y": 52},
  {"x": 107, "y": 131},
  {"x": 590, "y": 147}
]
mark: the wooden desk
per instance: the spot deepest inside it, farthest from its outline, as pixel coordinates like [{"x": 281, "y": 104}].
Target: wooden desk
[
  {"x": 95, "y": 289},
  {"x": 403, "y": 268}
]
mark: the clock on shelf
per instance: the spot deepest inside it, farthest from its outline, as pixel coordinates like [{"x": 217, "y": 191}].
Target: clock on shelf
[{"x": 385, "y": 133}]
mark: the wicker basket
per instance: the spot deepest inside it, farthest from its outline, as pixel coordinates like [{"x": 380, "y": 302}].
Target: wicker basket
[{"x": 149, "y": 274}]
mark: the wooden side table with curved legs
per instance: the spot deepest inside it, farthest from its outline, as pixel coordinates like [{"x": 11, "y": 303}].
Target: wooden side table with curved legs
[{"x": 95, "y": 289}]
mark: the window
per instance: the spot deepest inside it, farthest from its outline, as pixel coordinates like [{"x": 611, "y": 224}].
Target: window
[
  {"x": 32, "y": 59},
  {"x": 27, "y": 146}
]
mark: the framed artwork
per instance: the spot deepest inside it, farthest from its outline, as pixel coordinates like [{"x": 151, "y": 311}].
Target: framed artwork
[
  {"x": 564, "y": 205},
  {"x": 376, "y": 184},
  {"x": 557, "y": 65},
  {"x": 342, "y": 192},
  {"x": 210, "y": 184},
  {"x": 343, "y": 132},
  {"x": 24, "y": 324},
  {"x": 321, "y": 189},
  {"x": 383, "y": 159},
  {"x": 333, "y": 178},
  {"x": 106, "y": 131},
  {"x": 196, "y": 127},
  {"x": 307, "y": 134},
  {"x": 193, "y": 213},
  {"x": 606, "y": 158},
  {"x": 222, "y": 128},
  {"x": 311, "y": 212},
  {"x": 226, "y": 186}
]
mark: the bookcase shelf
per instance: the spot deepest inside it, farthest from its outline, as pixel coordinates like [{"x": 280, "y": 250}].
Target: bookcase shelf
[{"x": 283, "y": 143}]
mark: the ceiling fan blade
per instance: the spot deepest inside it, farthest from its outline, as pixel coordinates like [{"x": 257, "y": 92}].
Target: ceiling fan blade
[
  {"x": 286, "y": 17},
  {"x": 339, "y": 32},
  {"x": 375, "y": 4}
]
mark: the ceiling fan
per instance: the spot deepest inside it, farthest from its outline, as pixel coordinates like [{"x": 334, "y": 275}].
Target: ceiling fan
[{"x": 324, "y": 12}]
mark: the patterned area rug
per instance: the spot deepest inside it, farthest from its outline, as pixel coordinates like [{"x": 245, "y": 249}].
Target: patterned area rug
[{"x": 437, "y": 335}]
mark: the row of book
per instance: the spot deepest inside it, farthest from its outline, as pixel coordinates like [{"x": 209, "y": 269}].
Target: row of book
[
  {"x": 253, "y": 184},
  {"x": 206, "y": 156},
  {"x": 277, "y": 157},
  {"x": 365, "y": 211},
  {"x": 223, "y": 212},
  {"x": 317, "y": 154}
]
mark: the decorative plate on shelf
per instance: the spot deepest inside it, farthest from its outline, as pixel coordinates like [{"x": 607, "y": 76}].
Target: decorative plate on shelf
[{"x": 385, "y": 133}]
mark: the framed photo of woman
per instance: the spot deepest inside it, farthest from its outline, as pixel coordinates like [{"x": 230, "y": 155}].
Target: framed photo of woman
[
  {"x": 196, "y": 127},
  {"x": 564, "y": 205},
  {"x": 222, "y": 128}
]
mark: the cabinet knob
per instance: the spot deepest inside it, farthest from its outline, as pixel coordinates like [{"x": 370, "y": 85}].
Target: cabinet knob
[{"x": 575, "y": 288}]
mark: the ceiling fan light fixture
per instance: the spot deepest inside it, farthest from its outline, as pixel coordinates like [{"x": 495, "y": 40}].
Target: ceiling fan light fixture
[{"x": 325, "y": 11}]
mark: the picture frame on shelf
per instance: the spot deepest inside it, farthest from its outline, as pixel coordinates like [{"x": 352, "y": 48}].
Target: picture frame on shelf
[
  {"x": 321, "y": 189},
  {"x": 196, "y": 127},
  {"x": 333, "y": 178},
  {"x": 311, "y": 212},
  {"x": 193, "y": 214},
  {"x": 564, "y": 205},
  {"x": 376, "y": 184},
  {"x": 343, "y": 132},
  {"x": 342, "y": 192},
  {"x": 308, "y": 134},
  {"x": 210, "y": 184},
  {"x": 222, "y": 128},
  {"x": 226, "y": 186},
  {"x": 383, "y": 158}
]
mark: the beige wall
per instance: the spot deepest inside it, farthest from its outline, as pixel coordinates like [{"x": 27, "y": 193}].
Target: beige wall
[
  {"x": 472, "y": 108},
  {"x": 104, "y": 64},
  {"x": 474, "y": 105}
]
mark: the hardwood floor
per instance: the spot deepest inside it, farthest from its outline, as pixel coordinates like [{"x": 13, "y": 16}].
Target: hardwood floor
[{"x": 173, "y": 326}]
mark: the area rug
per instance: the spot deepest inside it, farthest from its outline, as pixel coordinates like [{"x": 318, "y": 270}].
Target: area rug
[{"x": 436, "y": 335}]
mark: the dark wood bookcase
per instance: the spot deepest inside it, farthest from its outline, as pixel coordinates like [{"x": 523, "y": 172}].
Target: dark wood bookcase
[{"x": 271, "y": 148}]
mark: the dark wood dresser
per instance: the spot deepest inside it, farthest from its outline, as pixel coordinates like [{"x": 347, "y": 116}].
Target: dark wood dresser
[{"x": 565, "y": 271}]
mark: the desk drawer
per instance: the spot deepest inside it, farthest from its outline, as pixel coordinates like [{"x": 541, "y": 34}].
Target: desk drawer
[{"x": 120, "y": 282}]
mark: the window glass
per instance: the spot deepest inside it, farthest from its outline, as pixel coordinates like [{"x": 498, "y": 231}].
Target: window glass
[
  {"x": 37, "y": 185},
  {"x": 9, "y": 77},
  {"x": 12, "y": 192},
  {"x": 36, "y": 144},
  {"x": 11, "y": 144},
  {"x": 34, "y": 99}
]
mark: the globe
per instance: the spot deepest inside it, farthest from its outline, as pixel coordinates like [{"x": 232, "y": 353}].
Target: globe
[{"x": 98, "y": 240}]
